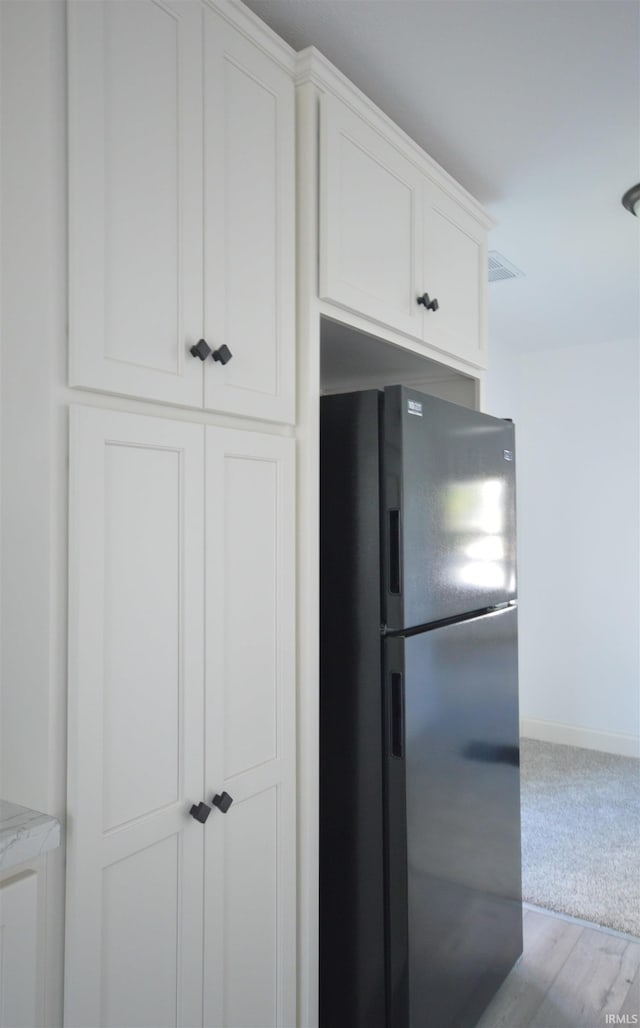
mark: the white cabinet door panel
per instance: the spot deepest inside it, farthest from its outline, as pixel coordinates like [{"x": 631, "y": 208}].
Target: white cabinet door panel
[
  {"x": 135, "y": 197},
  {"x": 134, "y": 871},
  {"x": 18, "y": 951},
  {"x": 250, "y": 729},
  {"x": 139, "y": 956},
  {"x": 455, "y": 257},
  {"x": 250, "y": 569},
  {"x": 370, "y": 221},
  {"x": 249, "y": 290},
  {"x": 141, "y": 617},
  {"x": 251, "y": 912}
]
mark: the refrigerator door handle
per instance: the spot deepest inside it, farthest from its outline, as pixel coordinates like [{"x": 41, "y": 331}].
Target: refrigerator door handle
[
  {"x": 397, "y": 715},
  {"x": 394, "y": 551}
]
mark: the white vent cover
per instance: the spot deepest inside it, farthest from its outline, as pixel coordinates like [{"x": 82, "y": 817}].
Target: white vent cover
[{"x": 500, "y": 268}]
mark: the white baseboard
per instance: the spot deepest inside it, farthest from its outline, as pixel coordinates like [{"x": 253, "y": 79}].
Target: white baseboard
[{"x": 574, "y": 735}]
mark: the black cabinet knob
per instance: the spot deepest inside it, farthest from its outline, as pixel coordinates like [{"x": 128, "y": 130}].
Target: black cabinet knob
[
  {"x": 222, "y": 354},
  {"x": 222, "y": 801},
  {"x": 428, "y": 303},
  {"x": 201, "y": 350},
  {"x": 200, "y": 812}
]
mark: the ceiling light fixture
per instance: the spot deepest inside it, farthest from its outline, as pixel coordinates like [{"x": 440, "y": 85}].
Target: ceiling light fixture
[{"x": 631, "y": 199}]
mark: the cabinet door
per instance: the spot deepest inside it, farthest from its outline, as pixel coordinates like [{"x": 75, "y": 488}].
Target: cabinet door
[
  {"x": 250, "y": 937},
  {"x": 249, "y": 287},
  {"x": 135, "y": 198},
  {"x": 18, "y": 951},
  {"x": 455, "y": 272},
  {"x": 135, "y": 735},
  {"x": 370, "y": 221}
]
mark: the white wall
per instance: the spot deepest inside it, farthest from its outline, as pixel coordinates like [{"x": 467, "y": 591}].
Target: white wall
[
  {"x": 578, "y": 452},
  {"x": 502, "y": 381},
  {"x": 33, "y": 434}
]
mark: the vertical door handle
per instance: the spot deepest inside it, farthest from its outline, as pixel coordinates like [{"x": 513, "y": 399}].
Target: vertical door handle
[
  {"x": 394, "y": 551},
  {"x": 397, "y": 715}
]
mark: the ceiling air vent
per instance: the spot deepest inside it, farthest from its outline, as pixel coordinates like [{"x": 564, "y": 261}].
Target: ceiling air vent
[{"x": 500, "y": 268}]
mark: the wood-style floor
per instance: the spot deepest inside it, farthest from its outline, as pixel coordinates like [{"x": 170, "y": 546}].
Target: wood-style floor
[{"x": 571, "y": 975}]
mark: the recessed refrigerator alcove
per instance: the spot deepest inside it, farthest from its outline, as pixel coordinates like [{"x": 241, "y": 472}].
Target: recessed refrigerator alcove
[
  {"x": 420, "y": 899},
  {"x": 351, "y": 360}
]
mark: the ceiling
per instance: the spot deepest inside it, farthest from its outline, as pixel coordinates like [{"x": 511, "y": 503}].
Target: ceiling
[{"x": 534, "y": 107}]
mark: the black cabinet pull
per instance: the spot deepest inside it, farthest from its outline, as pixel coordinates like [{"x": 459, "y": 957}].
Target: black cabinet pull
[
  {"x": 200, "y": 812},
  {"x": 428, "y": 303},
  {"x": 397, "y": 715},
  {"x": 222, "y": 354},
  {"x": 394, "y": 552},
  {"x": 201, "y": 350},
  {"x": 222, "y": 801}
]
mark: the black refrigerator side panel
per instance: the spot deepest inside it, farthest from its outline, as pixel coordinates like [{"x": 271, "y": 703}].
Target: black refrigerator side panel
[
  {"x": 352, "y": 962},
  {"x": 449, "y": 510},
  {"x": 462, "y": 805}
]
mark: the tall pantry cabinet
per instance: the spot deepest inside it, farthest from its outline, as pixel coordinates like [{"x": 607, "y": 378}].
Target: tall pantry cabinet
[{"x": 181, "y": 741}]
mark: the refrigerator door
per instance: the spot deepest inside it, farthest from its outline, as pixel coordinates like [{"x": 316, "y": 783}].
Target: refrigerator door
[
  {"x": 448, "y": 493},
  {"x": 452, "y": 819}
]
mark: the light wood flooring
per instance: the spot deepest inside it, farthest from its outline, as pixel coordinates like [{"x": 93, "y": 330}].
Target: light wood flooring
[{"x": 571, "y": 975}]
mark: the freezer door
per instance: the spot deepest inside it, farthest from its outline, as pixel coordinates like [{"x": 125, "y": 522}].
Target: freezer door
[
  {"x": 448, "y": 509},
  {"x": 452, "y": 820}
]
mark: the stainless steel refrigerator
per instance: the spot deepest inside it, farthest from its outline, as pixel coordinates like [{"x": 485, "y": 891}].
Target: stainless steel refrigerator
[{"x": 420, "y": 889}]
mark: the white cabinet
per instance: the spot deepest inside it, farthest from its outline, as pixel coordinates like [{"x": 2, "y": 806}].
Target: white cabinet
[
  {"x": 18, "y": 951},
  {"x": 181, "y": 687},
  {"x": 393, "y": 240},
  {"x": 370, "y": 228},
  {"x": 455, "y": 273},
  {"x": 181, "y": 208}
]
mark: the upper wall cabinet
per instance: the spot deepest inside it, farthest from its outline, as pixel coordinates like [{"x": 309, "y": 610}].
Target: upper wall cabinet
[
  {"x": 181, "y": 202},
  {"x": 395, "y": 246},
  {"x": 370, "y": 227}
]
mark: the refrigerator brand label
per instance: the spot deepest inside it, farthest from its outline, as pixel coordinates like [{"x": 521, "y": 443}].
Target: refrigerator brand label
[
  {"x": 414, "y": 407},
  {"x": 507, "y": 454}
]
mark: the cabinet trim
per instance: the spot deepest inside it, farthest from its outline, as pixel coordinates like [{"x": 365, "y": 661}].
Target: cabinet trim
[
  {"x": 256, "y": 31},
  {"x": 313, "y": 67}
]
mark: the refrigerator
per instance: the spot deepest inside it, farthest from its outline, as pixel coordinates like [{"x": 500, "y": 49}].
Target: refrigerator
[{"x": 420, "y": 882}]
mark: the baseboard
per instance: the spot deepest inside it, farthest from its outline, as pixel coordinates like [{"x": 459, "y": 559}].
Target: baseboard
[
  {"x": 578, "y": 920},
  {"x": 574, "y": 735}
]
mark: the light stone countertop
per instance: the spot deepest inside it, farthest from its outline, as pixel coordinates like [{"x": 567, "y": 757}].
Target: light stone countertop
[{"x": 25, "y": 834}]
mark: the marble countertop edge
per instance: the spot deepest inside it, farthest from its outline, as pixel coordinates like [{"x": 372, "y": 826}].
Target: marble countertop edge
[{"x": 25, "y": 834}]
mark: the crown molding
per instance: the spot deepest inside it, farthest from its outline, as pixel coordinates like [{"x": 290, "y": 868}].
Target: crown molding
[
  {"x": 312, "y": 67},
  {"x": 256, "y": 30}
]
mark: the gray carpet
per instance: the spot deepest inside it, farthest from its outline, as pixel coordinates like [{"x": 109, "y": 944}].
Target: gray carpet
[{"x": 581, "y": 833}]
